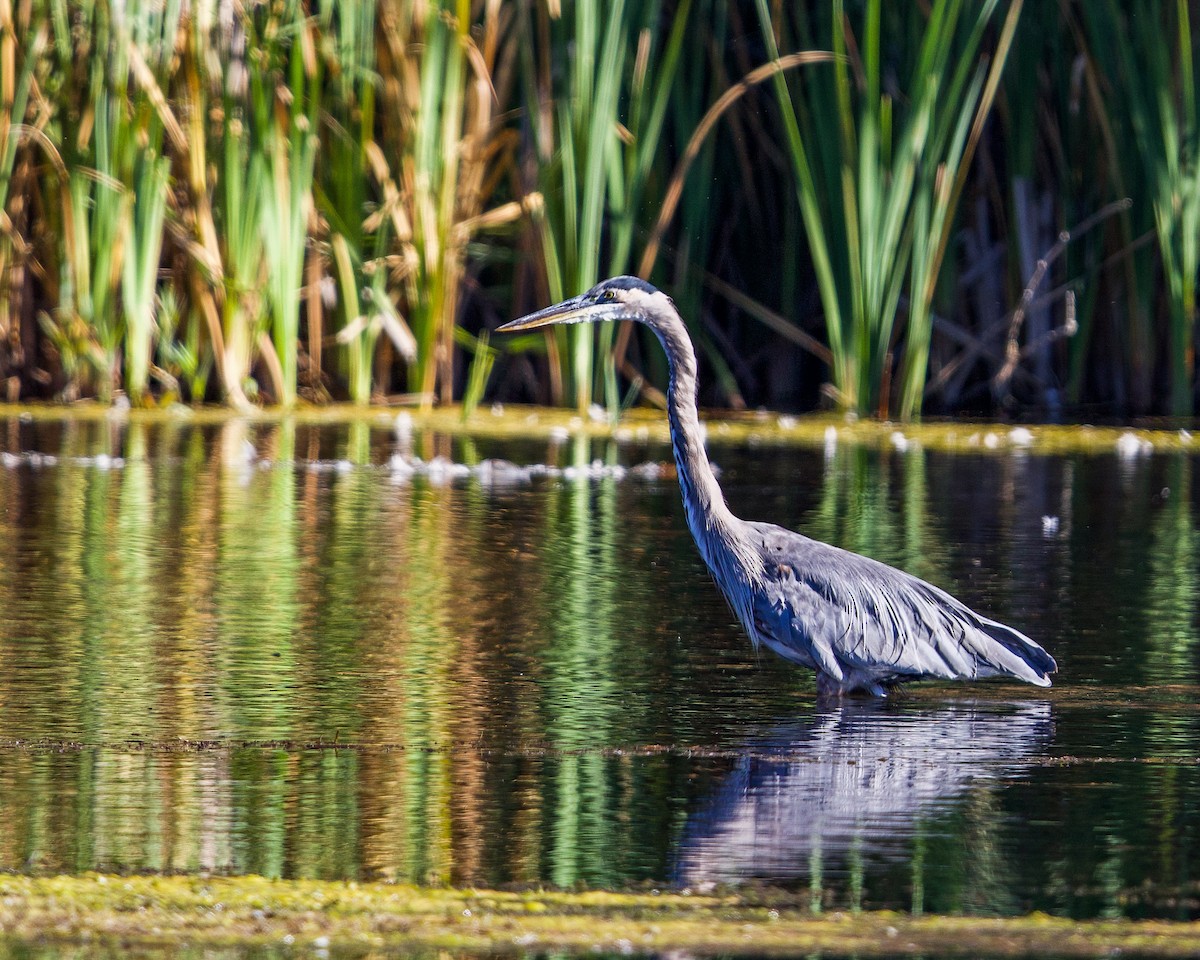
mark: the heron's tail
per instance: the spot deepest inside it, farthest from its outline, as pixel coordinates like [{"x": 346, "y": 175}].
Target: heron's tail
[{"x": 1013, "y": 653}]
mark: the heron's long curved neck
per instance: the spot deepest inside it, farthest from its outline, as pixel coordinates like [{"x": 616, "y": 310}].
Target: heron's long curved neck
[{"x": 716, "y": 530}]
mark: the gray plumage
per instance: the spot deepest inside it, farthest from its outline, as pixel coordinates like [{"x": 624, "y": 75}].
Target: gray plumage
[{"x": 860, "y": 624}]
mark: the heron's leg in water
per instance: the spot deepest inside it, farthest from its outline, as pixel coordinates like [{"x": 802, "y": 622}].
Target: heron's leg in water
[
  {"x": 827, "y": 687},
  {"x": 830, "y": 689}
]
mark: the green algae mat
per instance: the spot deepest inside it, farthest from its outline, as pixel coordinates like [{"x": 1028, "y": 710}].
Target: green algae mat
[
  {"x": 146, "y": 911},
  {"x": 645, "y": 424}
]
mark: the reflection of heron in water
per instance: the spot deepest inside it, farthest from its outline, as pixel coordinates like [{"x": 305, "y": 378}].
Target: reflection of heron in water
[
  {"x": 861, "y": 624},
  {"x": 860, "y": 776}
]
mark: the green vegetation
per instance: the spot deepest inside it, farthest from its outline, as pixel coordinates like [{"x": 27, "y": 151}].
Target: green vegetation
[
  {"x": 311, "y": 199},
  {"x": 644, "y": 424},
  {"x": 878, "y": 184},
  {"x": 141, "y": 912}
]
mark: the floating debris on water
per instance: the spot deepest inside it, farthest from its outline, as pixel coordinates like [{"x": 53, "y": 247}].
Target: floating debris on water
[
  {"x": 899, "y": 441},
  {"x": 441, "y": 470},
  {"x": 502, "y": 473},
  {"x": 494, "y": 472},
  {"x": 831, "y": 441},
  {"x": 1049, "y": 526},
  {"x": 1020, "y": 436},
  {"x": 39, "y": 461},
  {"x": 640, "y": 434},
  {"x": 401, "y": 468},
  {"x": 1130, "y": 445},
  {"x": 650, "y": 471},
  {"x": 596, "y": 470},
  {"x": 245, "y": 453}
]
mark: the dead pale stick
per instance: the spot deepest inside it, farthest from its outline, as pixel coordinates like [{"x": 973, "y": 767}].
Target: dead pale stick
[{"x": 1013, "y": 352}]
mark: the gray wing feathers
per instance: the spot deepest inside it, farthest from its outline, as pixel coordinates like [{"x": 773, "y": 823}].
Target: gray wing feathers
[{"x": 857, "y": 619}]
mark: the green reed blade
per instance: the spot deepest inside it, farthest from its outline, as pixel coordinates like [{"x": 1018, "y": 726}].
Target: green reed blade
[
  {"x": 886, "y": 181},
  {"x": 814, "y": 219}
]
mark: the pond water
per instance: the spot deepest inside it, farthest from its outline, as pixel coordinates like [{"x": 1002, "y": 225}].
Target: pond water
[{"x": 305, "y": 651}]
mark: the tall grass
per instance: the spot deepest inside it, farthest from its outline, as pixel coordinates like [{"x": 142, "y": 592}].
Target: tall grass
[
  {"x": 149, "y": 39},
  {"x": 237, "y": 215},
  {"x": 439, "y": 112},
  {"x": 1148, "y": 57},
  {"x": 596, "y": 129},
  {"x": 16, "y": 74},
  {"x": 342, "y": 197},
  {"x": 288, "y": 110},
  {"x": 878, "y": 182},
  {"x": 314, "y": 200},
  {"x": 574, "y": 129}
]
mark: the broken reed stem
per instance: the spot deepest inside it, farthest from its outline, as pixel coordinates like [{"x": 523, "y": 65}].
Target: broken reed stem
[{"x": 1013, "y": 351}]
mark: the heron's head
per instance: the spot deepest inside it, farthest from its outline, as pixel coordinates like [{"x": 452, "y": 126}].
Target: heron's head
[{"x": 620, "y": 298}]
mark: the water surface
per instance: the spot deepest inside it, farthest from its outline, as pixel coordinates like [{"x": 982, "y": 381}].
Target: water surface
[{"x": 304, "y": 652}]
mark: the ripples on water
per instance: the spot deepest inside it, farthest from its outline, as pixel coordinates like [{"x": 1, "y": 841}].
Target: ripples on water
[{"x": 322, "y": 652}]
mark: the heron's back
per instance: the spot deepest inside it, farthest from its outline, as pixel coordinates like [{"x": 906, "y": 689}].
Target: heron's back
[{"x": 863, "y": 623}]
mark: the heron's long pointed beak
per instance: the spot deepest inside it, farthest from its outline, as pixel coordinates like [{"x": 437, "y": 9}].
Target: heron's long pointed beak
[{"x": 575, "y": 310}]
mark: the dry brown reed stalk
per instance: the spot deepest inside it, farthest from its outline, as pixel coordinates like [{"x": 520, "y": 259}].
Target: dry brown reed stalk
[
  {"x": 439, "y": 110},
  {"x": 195, "y": 211},
  {"x": 8, "y": 94},
  {"x": 23, "y": 140}
]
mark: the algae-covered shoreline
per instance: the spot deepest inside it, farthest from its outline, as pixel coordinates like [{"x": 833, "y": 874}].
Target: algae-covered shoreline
[
  {"x": 231, "y": 911},
  {"x": 765, "y": 428}
]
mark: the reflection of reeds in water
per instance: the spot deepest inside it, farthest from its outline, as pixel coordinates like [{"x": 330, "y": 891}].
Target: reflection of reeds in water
[
  {"x": 1173, "y": 595},
  {"x": 426, "y": 707},
  {"x": 206, "y": 602},
  {"x": 386, "y": 658},
  {"x": 866, "y": 508},
  {"x": 479, "y": 651},
  {"x": 1172, "y": 644},
  {"x": 257, "y": 614},
  {"x": 878, "y": 180},
  {"x": 121, "y": 560},
  {"x": 580, "y": 670},
  {"x": 336, "y": 608},
  {"x": 256, "y": 600}
]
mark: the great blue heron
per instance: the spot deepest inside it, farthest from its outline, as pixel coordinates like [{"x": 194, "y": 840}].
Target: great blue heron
[{"x": 861, "y": 624}]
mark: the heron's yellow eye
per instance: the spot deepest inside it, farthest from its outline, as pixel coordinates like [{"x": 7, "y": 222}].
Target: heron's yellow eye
[{"x": 608, "y": 295}]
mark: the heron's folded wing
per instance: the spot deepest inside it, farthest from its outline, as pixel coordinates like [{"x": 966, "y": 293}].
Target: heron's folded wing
[{"x": 878, "y": 620}]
